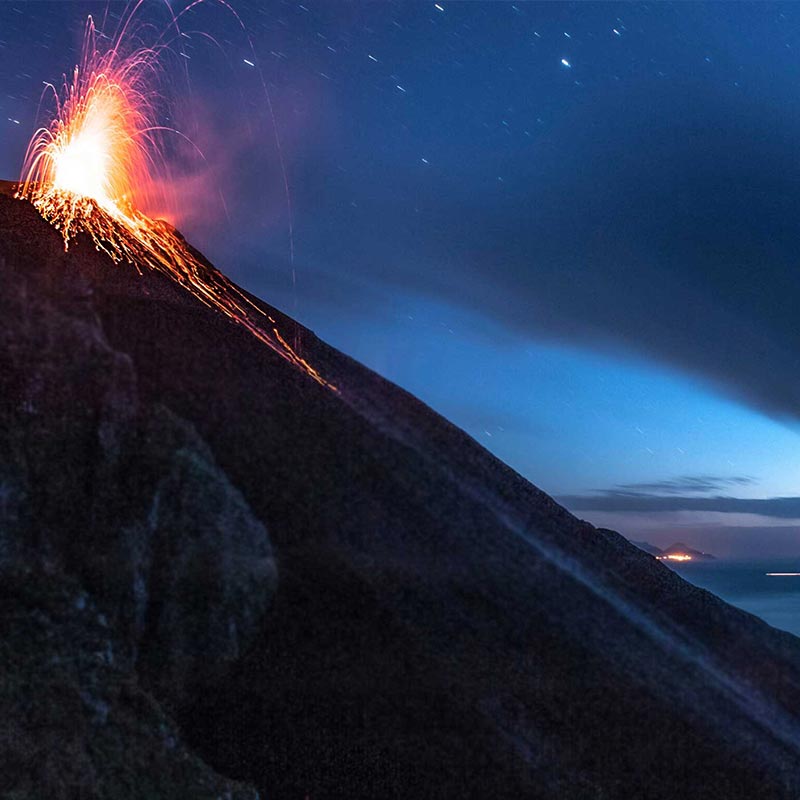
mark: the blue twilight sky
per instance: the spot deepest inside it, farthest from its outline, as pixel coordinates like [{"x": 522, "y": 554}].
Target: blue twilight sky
[{"x": 572, "y": 228}]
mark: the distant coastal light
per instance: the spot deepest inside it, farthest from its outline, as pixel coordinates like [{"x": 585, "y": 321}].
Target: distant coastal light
[
  {"x": 783, "y": 574},
  {"x": 675, "y": 557}
]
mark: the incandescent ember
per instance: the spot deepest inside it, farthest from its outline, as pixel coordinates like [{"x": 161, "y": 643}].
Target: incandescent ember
[{"x": 102, "y": 151}]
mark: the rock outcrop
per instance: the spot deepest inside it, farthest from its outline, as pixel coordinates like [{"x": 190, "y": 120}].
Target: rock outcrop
[{"x": 133, "y": 573}]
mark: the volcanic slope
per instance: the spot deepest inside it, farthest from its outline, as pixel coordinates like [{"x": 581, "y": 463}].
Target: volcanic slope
[{"x": 438, "y": 627}]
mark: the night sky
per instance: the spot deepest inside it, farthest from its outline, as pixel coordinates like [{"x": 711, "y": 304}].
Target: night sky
[{"x": 573, "y": 229}]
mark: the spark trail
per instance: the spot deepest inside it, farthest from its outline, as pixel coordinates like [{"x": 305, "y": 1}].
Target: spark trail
[{"x": 103, "y": 153}]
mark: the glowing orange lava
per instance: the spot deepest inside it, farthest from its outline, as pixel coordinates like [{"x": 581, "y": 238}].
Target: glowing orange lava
[{"x": 103, "y": 153}]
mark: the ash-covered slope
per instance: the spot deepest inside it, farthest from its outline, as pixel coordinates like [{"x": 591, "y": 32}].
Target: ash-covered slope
[{"x": 439, "y": 627}]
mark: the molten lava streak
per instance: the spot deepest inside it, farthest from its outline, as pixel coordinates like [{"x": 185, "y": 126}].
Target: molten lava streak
[{"x": 102, "y": 152}]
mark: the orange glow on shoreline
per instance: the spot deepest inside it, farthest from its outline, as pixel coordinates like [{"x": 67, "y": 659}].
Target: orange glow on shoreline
[
  {"x": 675, "y": 557},
  {"x": 102, "y": 156}
]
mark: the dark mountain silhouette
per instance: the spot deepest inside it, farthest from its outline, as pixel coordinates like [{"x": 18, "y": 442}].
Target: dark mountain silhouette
[
  {"x": 218, "y": 574},
  {"x": 647, "y": 547}
]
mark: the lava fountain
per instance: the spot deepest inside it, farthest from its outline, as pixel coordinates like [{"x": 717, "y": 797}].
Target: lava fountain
[{"x": 103, "y": 153}]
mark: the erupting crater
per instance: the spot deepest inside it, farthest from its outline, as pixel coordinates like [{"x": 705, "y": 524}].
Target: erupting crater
[{"x": 102, "y": 153}]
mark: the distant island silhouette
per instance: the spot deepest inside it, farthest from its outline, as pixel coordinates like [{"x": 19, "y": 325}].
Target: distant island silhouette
[{"x": 675, "y": 552}]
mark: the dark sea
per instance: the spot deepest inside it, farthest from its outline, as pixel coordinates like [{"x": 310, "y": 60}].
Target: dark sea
[{"x": 745, "y": 584}]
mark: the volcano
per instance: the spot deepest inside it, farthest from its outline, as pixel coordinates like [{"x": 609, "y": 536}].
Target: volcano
[{"x": 221, "y": 577}]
